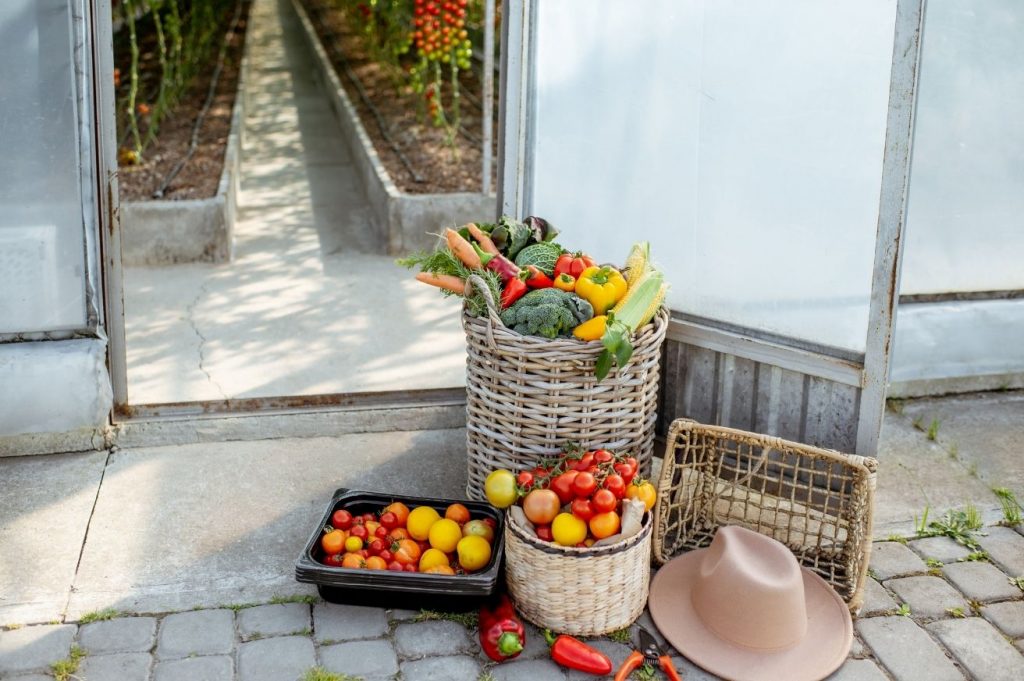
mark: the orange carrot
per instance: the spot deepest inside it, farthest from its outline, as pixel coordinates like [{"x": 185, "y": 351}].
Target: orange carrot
[
  {"x": 485, "y": 241},
  {"x": 463, "y": 250},
  {"x": 445, "y": 281}
]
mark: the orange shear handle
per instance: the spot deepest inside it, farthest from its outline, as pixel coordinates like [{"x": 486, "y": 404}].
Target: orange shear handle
[
  {"x": 634, "y": 660},
  {"x": 669, "y": 668}
]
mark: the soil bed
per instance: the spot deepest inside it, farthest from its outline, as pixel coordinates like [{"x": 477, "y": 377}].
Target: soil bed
[
  {"x": 441, "y": 168},
  {"x": 199, "y": 178}
]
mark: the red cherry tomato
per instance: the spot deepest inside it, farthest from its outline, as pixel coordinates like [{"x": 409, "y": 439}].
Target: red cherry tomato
[
  {"x": 616, "y": 485},
  {"x": 389, "y": 520},
  {"x": 359, "y": 531},
  {"x": 603, "y": 501},
  {"x": 563, "y": 486},
  {"x": 395, "y": 566},
  {"x": 492, "y": 522},
  {"x": 584, "y": 484},
  {"x": 376, "y": 546},
  {"x": 626, "y": 471},
  {"x": 602, "y": 456},
  {"x": 387, "y": 555},
  {"x": 582, "y": 509},
  {"x": 334, "y": 561},
  {"x": 525, "y": 480},
  {"x": 381, "y": 532},
  {"x": 544, "y": 532},
  {"x": 341, "y": 520},
  {"x": 411, "y": 568},
  {"x": 367, "y": 517}
]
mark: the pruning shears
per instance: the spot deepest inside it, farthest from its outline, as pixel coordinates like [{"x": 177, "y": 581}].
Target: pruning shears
[{"x": 649, "y": 652}]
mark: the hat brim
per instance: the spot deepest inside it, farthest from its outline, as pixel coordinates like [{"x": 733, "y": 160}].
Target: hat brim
[{"x": 823, "y": 649}]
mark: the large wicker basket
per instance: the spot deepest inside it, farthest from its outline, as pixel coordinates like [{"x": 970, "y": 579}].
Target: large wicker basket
[
  {"x": 527, "y": 396},
  {"x": 818, "y": 502},
  {"x": 577, "y": 591}
]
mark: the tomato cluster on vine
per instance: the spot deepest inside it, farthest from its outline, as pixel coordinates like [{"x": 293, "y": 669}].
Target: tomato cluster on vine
[{"x": 439, "y": 31}]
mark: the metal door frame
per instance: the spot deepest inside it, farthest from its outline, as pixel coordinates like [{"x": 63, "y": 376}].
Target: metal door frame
[{"x": 869, "y": 372}]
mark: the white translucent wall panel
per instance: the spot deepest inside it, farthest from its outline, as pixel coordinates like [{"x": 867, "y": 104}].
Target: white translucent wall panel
[
  {"x": 42, "y": 251},
  {"x": 744, "y": 139},
  {"x": 965, "y": 217}
]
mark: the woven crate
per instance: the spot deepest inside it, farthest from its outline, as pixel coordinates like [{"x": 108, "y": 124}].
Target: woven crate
[
  {"x": 527, "y": 396},
  {"x": 818, "y": 502},
  {"x": 577, "y": 591}
]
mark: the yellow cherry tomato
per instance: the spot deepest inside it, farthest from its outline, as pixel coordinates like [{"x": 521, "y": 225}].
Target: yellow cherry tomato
[
  {"x": 353, "y": 544},
  {"x": 432, "y": 558},
  {"x": 474, "y": 553},
  {"x": 568, "y": 530},
  {"x": 500, "y": 488},
  {"x": 421, "y": 519},
  {"x": 445, "y": 535},
  {"x": 644, "y": 491}
]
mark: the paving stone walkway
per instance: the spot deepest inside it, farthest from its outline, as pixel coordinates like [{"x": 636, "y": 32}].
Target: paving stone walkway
[{"x": 929, "y": 614}]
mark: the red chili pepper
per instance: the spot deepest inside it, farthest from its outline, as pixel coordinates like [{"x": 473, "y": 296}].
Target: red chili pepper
[
  {"x": 575, "y": 654},
  {"x": 538, "y": 279},
  {"x": 502, "y": 635},
  {"x": 514, "y": 290}
]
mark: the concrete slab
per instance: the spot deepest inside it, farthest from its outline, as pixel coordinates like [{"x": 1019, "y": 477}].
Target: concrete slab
[
  {"x": 211, "y": 524},
  {"x": 44, "y": 509}
]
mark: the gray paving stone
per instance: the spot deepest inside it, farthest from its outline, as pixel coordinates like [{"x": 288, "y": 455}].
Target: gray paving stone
[
  {"x": 119, "y": 635},
  {"x": 455, "y": 668},
  {"x": 273, "y": 620},
  {"x": 284, "y": 658},
  {"x": 209, "y": 668},
  {"x": 928, "y": 597},
  {"x": 981, "y": 581},
  {"x": 892, "y": 559},
  {"x": 115, "y": 667},
  {"x": 360, "y": 658},
  {"x": 534, "y": 670},
  {"x": 940, "y": 548},
  {"x": 877, "y": 600},
  {"x": 858, "y": 649},
  {"x": 34, "y": 648},
  {"x": 1006, "y": 549},
  {"x": 422, "y": 639},
  {"x": 30, "y": 677},
  {"x": 332, "y": 622},
  {"x": 403, "y": 615},
  {"x": 201, "y": 632},
  {"x": 906, "y": 650},
  {"x": 536, "y": 647},
  {"x": 1008, "y": 617},
  {"x": 617, "y": 652},
  {"x": 858, "y": 670},
  {"x": 982, "y": 650}
]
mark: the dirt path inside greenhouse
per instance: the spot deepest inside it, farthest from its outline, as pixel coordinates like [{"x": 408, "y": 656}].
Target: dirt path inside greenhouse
[{"x": 309, "y": 304}]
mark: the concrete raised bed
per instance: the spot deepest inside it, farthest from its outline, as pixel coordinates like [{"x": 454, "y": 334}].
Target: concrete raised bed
[
  {"x": 403, "y": 220},
  {"x": 197, "y": 230}
]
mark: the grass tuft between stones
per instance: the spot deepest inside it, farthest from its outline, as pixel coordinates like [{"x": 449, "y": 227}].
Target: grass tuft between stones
[
  {"x": 621, "y": 636},
  {"x": 297, "y": 598},
  {"x": 65, "y": 669},
  {"x": 321, "y": 674},
  {"x": 466, "y": 619},
  {"x": 99, "y": 616}
]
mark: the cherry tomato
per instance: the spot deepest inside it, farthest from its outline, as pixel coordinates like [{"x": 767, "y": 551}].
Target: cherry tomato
[
  {"x": 616, "y": 485},
  {"x": 376, "y": 563},
  {"x": 376, "y": 546},
  {"x": 645, "y": 492},
  {"x": 389, "y": 520},
  {"x": 400, "y": 510},
  {"x": 395, "y": 566},
  {"x": 479, "y": 528},
  {"x": 333, "y": 541},
  {"x": 411, "y": 567},
  {"x": 603, "y": 501},
  {"x": 398, "y": 533},
  {"x": 387, "y": 555},
  {"x": 544, "y": 532},
  {"x": 582, "y": 509},
  {"x": 358, "y": 520},
  {"x": 525, "y": 480},
  {"x": 602, "y": 456},
  {"x": 341, "y": 520},
  {"x": 458, "y": 513},
  {"x": 360, "y": 531},
  {"x": 568, "y": 530},
  {"x": 541, "y": 506},
  {"x": 626, "y": 471},
  {"x": 368, "y": 517},
  {"x": 406, "y": 551},
  {"x": 372, "y": 526},
  {"x": 604, "y": 524},
  {"x": 500, "y": 488},
  {"x": 335, "y": 560},
  {"x": 353, "y": 560},
  {"x": 583, "y": 485},
  {"x": 381, "y": 532},
  {"x": 492, "y": 522},
  {"x": 562, "y": 485},
  {"x": 353, "y": 545}
]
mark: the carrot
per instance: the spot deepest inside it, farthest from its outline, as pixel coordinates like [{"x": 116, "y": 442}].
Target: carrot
[
  {"x": 482, "y": 238},
  {"x": 463, "y": 250},
  {"x": 446, "y": 281}
]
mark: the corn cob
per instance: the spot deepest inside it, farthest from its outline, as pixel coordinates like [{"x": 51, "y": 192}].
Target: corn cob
[
  {"x": 638, "y": 263},
  {"x": 642, "y": 300}
]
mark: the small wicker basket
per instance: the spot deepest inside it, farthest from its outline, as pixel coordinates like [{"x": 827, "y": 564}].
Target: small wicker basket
[
  {"x": 527, "y": 396},
  {"x": 576, "y": 591},
  {"x": 818, "y": 502}
]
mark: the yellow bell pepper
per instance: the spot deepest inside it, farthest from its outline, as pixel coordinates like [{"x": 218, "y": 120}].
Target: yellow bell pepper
[
  {"x": 592, "y": 329},
  {"x": 565, "y": 282},
  {"x": 602, "y": 287}
]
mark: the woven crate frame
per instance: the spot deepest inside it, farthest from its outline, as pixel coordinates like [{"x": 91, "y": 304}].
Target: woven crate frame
[
  {"x": 527, "y": 396},
  {"x": 578, "y": 591},
  {"x": 818, "y": 502}
]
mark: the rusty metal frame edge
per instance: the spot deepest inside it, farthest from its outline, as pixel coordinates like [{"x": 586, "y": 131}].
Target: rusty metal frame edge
[{"x": 892, "y": 206}]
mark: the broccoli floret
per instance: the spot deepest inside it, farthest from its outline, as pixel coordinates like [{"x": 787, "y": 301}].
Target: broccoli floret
[{"x": 547, "y": 312}]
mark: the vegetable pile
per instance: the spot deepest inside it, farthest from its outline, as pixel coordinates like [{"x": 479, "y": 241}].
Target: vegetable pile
[
  {"x": 404, "y": 540},
  {"x": 545, "y": 290},
  {"x": 576, "y": 500}
]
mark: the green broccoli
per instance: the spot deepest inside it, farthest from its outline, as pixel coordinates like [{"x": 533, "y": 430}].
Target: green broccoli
[{"x": 547, "y": 312}]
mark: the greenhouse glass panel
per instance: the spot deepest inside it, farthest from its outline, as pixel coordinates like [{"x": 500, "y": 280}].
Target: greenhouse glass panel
[
  {"x": 745, "y": 140},
  {"x": 965, "y": 214},
  {"x": 42, "y": 248}
]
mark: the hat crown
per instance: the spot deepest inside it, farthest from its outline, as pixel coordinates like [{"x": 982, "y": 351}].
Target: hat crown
[{"x": 749, "y": 590}]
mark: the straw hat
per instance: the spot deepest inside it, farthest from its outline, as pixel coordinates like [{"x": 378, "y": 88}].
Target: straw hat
[{"x": 744, "y": 609}]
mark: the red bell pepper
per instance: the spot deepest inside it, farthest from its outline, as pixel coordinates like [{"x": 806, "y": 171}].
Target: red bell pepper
[
  {"x": 502, "y": 635},
  {"x": 514, "y": 290},
  {"x": 575, "y": 654},
  {"x": 538, "y": 279}
]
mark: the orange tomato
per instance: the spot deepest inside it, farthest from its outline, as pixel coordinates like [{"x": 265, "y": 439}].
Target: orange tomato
[
  {"x": 479, "y": 528},
  {"x": 433, "y": 558},
  {"x": 333, "y": 541},
  {"x": 400, "y": 510},
  {"x": 604, "y": 524},
  {"x": 644, "y": 491},
  {"x": 439, "y": 570},
  {"x": 376, "y": 563},
  {"x": 398, "y": 533},
  {"x": 458, "y": 513},
  {"x": 406, "y": 551},
  {"x": 541, "y": 506},
  {"x": 371, "y": 526},
  {"x": 353, "y": 560}
]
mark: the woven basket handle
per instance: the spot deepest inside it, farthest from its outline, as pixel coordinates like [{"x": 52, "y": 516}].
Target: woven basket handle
[{"x": 477, "y": 282}]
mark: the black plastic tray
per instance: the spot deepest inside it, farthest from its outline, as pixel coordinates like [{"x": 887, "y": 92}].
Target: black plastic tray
[{"x": 409, "y": 590}]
